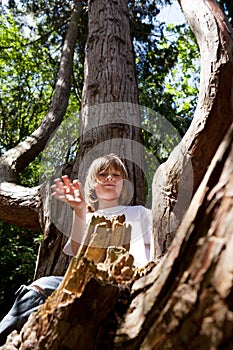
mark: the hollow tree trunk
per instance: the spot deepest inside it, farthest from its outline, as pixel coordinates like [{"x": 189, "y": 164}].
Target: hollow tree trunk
[{"x": 177, "y": 179}]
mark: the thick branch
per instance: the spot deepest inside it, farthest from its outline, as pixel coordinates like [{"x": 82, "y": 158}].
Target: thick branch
[
  {"x": 19, "y": 205},
  {"x": 179, "y": 177},
  {"x": 186, "y": 301}
]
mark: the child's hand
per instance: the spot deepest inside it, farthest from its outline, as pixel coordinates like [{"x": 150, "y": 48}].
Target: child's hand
[{"x": 70, "y": 192}]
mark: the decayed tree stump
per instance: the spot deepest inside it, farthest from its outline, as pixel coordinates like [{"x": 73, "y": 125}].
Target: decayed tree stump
[{"x": 76, "y": 315}]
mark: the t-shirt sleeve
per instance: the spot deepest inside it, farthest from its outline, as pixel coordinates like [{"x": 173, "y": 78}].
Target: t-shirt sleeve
[
  {"x": 147, "y": 232},
  {"x": 67, "y": 248},
  {"x": 146, "y": 220}
]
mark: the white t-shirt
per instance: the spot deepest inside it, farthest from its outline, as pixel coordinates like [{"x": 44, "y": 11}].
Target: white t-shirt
[{"x": 140, "y": 220}]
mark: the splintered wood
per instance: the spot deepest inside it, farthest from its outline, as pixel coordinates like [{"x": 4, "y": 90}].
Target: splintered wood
[
  {"x": 104, "y": 254},
  {"x": 103, "y": 233}
]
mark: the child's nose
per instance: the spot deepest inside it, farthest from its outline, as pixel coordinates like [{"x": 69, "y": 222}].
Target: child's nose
[{"x": 109, "y": 177}]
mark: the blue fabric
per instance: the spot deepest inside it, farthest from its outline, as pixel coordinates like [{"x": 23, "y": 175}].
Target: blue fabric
[
  {"x": 49, "y": 283},
  {"x": 27, "y": 301}
]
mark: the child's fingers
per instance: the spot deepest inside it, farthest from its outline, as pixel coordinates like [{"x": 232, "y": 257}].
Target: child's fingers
[
  {"x": 58, "y": 189},
  {"x": 77, "y": 195},
  {"x": 58, "y": 186},
  {"x": 77, "y": 184},
  {"x": 66, "y": 180},
  {"x": 65, "y": 190}
]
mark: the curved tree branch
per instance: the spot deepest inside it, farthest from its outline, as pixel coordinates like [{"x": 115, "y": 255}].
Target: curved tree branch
[
  {"x": 178, "y": 178},
  {"x": 17, "y": 158},
  {"x": 186, "y": 301}
]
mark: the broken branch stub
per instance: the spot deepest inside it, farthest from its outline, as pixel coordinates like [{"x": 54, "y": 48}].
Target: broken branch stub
[{"x": 106, "y": 244}]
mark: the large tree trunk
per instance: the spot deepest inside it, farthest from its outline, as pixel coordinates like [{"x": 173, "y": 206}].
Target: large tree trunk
[
  {"x": 177, "y": 180},
  {"x": 110, "y": 116},
  {"x": 110, "y": 120}
]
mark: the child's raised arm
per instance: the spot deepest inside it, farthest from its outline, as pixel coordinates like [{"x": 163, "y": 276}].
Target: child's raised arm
[{"x": 72, "y": 193}]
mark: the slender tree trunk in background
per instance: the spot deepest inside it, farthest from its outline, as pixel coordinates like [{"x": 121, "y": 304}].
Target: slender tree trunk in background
[
  {"x": 30, "y": 207},
  {"x": 177, "y": 180},
  {"x": 51, "y": 260}
]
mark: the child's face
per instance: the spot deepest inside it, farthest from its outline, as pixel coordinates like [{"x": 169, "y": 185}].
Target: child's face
[{"x": 109, "y": 185}]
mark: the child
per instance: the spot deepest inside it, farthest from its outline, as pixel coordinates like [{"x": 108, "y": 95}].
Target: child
[{"x": 106, "y": 193}]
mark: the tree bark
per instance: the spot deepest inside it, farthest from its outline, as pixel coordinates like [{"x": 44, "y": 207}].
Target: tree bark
[
  {"x": 110, "y": 115},
  {"x": 186, "y": 301},
  {"x": 19, "y": 205},
  {"x": 177, "y": 179}
]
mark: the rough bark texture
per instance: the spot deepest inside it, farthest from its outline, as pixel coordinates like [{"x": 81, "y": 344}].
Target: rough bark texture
[
  {"x": 177, "y": 180},
  {"x": 19, "y": 205},
  {"x": 186, "y": 301},
  {"x": 110, "y": 116},
  {"x": 55, "y": 219}
]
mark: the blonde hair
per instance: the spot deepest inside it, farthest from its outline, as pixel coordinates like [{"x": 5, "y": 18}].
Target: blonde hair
[{"x": 99, "y": 165}]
